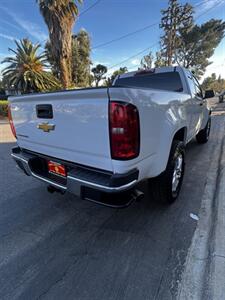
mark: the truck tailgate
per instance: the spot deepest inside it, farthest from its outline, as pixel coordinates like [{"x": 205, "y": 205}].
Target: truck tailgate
[{"x": 80, "y": 130}]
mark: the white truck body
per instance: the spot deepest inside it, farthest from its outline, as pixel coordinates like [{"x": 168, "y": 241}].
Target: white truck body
[{"x": 81, "y": 124}]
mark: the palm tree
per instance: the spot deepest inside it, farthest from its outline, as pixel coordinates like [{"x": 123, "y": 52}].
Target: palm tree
[
  {"x": 60, "y": 16},
  {"x": 26, "y": 69}
]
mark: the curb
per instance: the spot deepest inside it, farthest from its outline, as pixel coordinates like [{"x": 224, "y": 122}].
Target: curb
[
  {"x": 4, "y": 122},
  {"x": 216, "y": 284},
  {"x": 199, "y": 278}
]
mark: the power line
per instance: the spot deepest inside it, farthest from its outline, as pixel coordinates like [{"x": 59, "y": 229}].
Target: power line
[
  {"x": 202, "y": 2},
  {"x": 90, "y": 7},
  {"x": 130, "y": 33},
  {"x": 148, "y": 48},
  {"x": 138, "y": 30},
  {"x": 82, "y": 13},
  {"x": 208, "y": 10},
  {"x": 125, "y": 35},
  {"x": 133, "y": 56}
]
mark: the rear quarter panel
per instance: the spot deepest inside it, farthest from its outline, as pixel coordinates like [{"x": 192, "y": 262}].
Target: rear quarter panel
[{"x": 162, "y": 114}]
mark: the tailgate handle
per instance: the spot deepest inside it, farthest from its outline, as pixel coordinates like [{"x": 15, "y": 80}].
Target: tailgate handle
[{"x": 44, "y": 111}]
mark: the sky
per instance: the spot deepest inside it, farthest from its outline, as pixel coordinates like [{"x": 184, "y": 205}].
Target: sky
[{"x": 106, "y": 20}]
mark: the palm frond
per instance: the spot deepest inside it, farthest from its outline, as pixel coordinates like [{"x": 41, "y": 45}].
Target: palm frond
[{"x": 25, "y": 70}]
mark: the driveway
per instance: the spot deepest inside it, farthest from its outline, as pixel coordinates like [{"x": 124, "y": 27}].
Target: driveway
[{"x": 59, "y": 247}]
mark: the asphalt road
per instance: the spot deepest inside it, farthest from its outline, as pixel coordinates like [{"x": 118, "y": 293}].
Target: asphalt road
[{"x": 59, "y": 247}]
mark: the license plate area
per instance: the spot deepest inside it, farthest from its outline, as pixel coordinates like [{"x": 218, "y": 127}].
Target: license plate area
[{"x": 57, "y": 169}]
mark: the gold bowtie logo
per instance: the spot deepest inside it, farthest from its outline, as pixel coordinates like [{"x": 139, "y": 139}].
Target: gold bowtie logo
[{"x": 46, "y": 127}]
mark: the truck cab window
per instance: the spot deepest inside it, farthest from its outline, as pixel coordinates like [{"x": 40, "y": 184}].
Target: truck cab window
[
  {"x": 191, "y": 85},
  {"x": 167, "y": 81},
  {"x": 198, "y": 88}
]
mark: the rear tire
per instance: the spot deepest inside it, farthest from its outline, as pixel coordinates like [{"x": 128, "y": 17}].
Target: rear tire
[
  {"x": 165, "y": 188},
  {"x": 203, "y": 136}
]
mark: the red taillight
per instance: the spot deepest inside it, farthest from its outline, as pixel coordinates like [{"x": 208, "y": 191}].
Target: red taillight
[
  {"x": 124, "y": 130},
  {"x": 11, "y": 122}
]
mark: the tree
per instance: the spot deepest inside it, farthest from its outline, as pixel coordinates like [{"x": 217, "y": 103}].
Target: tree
[
  {"x": 91, "y": 79},
  {"x": 109, "y": 80},
  {"x": 2, "y": 89},
  {"x": 99, "y": 71},
  {"x": 159, "y": 61},
  {"x": 147, "y": 61},
  {"x": 214, "y": 83},
  {"x": 206, "y": 84},
  {"x": 60, "y": 17},
  {"x": 81, "y": 61},
  {"x": 198, "y": 44},
  {"x": 26, "y": 69},
  {"x": 186, "y": 43},
  {"x": 174, "y": 18},
  {"x": 52, "y": 62}
]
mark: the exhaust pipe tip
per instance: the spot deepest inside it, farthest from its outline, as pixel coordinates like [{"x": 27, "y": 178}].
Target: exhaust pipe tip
[
  {"x": 137, "y": 195},
  {"x": 51, "y": 189}
]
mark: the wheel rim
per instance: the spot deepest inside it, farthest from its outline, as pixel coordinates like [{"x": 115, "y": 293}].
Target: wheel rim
[{"x": 177, "y": 173}]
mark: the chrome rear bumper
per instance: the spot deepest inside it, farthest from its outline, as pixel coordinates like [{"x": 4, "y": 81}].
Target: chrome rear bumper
[{"x": 78, "y": 178}]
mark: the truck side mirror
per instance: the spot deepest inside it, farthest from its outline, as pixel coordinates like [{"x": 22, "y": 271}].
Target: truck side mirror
[{"x": 209, "y": 94}]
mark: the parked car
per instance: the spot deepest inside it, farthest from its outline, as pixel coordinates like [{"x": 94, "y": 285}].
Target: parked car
[
  {"x": 221, "y": 96},
  {"x": 104, "y": 141}
]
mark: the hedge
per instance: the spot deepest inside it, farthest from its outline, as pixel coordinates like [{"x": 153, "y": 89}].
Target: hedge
[{"x": 3, "y": 108}]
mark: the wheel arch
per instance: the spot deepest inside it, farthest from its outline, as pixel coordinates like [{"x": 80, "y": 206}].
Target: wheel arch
[
  {"x": 162, "y": 156},
  {"x": 180, "y": 135}
]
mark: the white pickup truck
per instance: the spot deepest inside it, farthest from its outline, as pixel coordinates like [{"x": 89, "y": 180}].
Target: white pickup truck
[{"x": 103, "y": 141}]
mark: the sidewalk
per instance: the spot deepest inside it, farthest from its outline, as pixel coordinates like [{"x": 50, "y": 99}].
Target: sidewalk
[
  {"x": 216, "y": 286},
  {"x": 204, "y": 272},
  {"x": 6, "y": 135}
]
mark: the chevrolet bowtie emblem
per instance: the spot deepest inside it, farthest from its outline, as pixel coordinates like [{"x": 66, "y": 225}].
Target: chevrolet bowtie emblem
[{"x": 46, "y": 127}]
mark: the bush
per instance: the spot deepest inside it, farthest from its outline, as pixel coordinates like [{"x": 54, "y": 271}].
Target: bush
[{"x": 3, "y": 108}]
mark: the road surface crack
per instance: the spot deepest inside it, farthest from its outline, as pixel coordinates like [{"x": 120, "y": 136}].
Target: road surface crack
[{"x": 77, "y": 258}]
